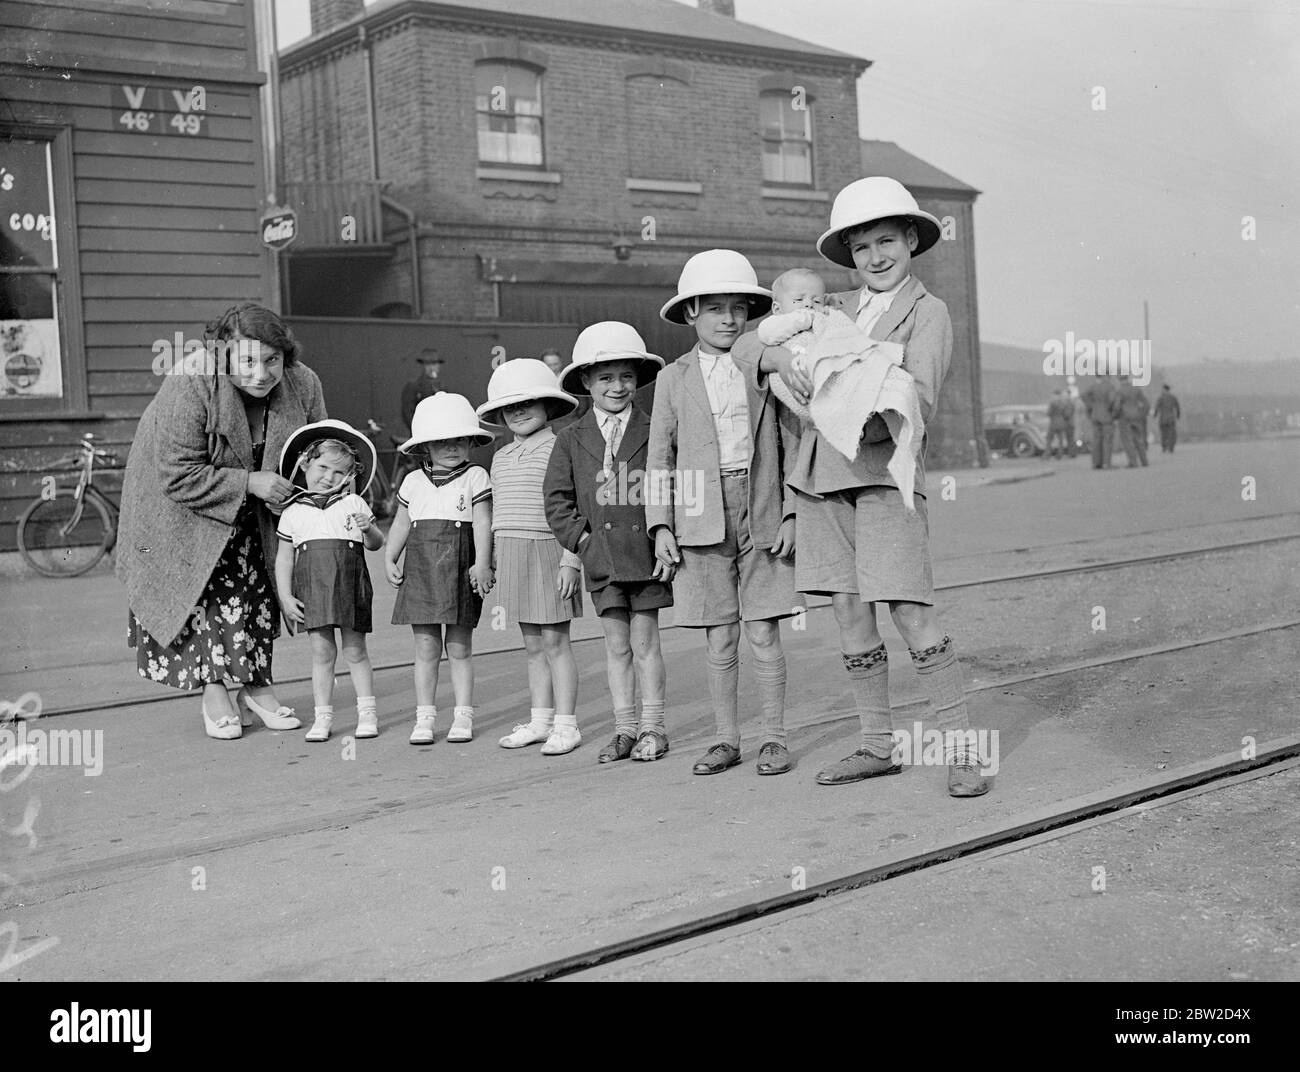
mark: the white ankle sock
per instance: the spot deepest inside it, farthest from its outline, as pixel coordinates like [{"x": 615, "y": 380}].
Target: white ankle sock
[
  {"x": 428, "y": 711},
  {"x": 541, "y": 718},
  {"x": 324, "y": 711},
  {"x": 468, "y": 712},
  {"x": 365, "y": 703},
  {"x": 566, "y": 722}
]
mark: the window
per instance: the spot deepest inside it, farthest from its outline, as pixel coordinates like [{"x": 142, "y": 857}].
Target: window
[
  {"x": 786, "y": 121},
  {"x": 509, "y": 104},
  {"x": 31, "y": 350}
]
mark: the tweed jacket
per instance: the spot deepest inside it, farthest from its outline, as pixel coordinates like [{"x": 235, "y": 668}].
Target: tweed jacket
[
  {"x": 186, "y": 478},
  {"x": 578, "y": 501},
  {"x": 684, "y": 436},
  {"x": 920, "y": 322}
]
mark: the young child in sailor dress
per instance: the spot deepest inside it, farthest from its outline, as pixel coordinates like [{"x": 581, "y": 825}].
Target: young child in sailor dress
[
  {"x": 320, "y": 570},
  {"x": 443, "y": 528}
]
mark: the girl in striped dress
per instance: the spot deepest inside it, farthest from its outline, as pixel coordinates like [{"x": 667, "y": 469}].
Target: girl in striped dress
[{"x": 537, "y": 580}]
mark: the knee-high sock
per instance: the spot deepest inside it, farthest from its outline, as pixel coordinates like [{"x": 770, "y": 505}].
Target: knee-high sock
[
  {"x": 771, "y": 690},
  {"x": 940, "y": 674},
  {"x": 724, "y": 680},
  {"x": 869, "y": 671}
]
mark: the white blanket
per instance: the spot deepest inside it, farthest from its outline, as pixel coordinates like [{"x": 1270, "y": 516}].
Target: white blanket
[{"x": 854, "y": 378}]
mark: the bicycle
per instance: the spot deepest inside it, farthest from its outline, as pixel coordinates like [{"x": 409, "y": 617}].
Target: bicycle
[
  {"x": 58, "y": 536},
  {"x": 381, "y": 496}
]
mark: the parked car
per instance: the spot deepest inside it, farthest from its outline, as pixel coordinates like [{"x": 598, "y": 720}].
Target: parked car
[{"x": 1019, "y": 431}]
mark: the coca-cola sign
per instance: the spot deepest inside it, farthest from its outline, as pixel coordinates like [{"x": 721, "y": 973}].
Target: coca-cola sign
[{"x": 279, "y": 229}]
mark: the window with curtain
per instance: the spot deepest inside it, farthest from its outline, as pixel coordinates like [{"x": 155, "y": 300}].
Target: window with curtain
[
  {"x": 509, "y": 105},
  {"x": 787, "y": 138}
]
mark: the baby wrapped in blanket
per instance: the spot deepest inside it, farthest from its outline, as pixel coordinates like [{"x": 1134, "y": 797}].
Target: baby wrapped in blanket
[{"x": 854, "y": 377}]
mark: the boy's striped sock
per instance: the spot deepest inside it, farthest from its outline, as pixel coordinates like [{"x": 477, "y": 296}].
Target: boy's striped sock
[
  {"x": 652, "y": 716},
  {"x": 625, "y": 721},
  {"x": 940, "y": 673},
  {"x": 869, "y": 672},
  {"x": 724, "y": 682}
]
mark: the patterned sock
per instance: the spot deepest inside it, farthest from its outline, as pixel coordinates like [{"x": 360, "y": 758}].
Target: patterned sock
[
  {"x": 724, "y": 681},
  {"x": 541, "y": 719},
  {"x": 652, "y": 716},
  {"x": 940, "y": 674},
  {"x": 625, "y": 721},
  {"x": 771, "y": 690},
  {"x": 869, "y": 672}
]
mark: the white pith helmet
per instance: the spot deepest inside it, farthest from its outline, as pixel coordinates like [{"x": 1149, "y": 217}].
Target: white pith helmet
[
  {"x": 717, "y": 271},
  {"x": 609, "y": 340},
  {"x": 524, "y": 379},
  {"x": 866, "y": 201},
  {"x": 444, "y": 416}
]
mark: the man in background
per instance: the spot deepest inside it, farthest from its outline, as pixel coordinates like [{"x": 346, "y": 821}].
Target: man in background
[
  {"x": 1060, "y": 418},
  {"x": 427, "y": 383},
  {"x": 1167, "y": 413},
  {"x": 1133, "y": 410},
  {"x": 1100, "y": 399}
]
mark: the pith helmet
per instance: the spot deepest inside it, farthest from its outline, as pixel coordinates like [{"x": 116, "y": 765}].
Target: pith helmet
[
  {"x": 525, "y": 379},
  {"x": 610, "y": 340},
  {"x": 444, "y": 416},
  {"x": 717, "y": 271},
  {"x": 866, "y": 201}
]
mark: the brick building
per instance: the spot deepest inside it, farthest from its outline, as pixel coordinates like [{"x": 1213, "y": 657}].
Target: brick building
[{"x": 556, "y": 161}]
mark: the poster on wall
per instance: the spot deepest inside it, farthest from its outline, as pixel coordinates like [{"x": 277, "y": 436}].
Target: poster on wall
[{"x": 29, "y": 359}]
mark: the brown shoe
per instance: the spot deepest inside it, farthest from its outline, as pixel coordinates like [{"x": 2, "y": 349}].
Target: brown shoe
[
  {"x": 720, "y": 757},
  {"x": 650, "y": 745},
  {"x": 773, "y": 758},
  {"x": 862, "y": 764},
  {"x": 619, "y": 748},
  {"x": 965, "y": 780}
]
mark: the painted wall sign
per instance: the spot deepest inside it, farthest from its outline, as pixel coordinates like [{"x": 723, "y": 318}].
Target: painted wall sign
[
  {"x": 146, "y": 109},
  {"x": 280, "y": 228}
]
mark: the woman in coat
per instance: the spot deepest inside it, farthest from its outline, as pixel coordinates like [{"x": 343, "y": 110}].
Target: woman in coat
[{"x": 196, "y": 542}]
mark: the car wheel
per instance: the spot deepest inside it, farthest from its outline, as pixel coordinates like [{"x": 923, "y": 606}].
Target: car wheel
[{"x": 1021, "y": 446}]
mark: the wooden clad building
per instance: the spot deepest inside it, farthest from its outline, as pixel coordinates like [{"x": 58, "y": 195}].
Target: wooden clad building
[{"x": 131, "y": 187}]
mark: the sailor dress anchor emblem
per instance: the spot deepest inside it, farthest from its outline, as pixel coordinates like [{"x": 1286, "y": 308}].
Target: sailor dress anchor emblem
[{"x": 460, "y": 503}]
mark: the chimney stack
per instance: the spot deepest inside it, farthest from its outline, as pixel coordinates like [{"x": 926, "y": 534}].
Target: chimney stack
[
  {"x": 326, "y": 14},
  {"x": 719, "y": 7}
]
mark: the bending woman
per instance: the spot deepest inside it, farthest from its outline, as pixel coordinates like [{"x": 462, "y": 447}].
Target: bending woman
[{"x": 196, "y": 542}]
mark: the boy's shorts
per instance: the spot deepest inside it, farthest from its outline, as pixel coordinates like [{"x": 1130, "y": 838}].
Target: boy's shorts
[
  {"x": 864, "y": 541},
  {"x": 632, "y": 595},
  {"x": 733, "y": 580}
]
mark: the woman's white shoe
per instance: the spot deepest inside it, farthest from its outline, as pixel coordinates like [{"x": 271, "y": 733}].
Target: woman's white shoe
[
  {"x": 282, "y": 718},
  {"x": 226, "y": 728}
]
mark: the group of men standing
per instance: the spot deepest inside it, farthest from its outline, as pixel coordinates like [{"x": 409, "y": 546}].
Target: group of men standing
[{"x": 1110, "y": 401}]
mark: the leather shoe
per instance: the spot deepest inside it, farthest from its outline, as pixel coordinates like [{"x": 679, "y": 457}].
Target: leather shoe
[
  {"x": 650, "y": 745},
  {"x": 965, "y": 780},
  {"x": 861, "y": 764},
  {"x": 773, "y": 758},
  {"x": 619, "y": 748},
  {"x": 717, "y": 759}
]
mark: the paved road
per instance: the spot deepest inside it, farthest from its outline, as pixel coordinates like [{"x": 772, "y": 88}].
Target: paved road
[{"x": 271, "y": 858}]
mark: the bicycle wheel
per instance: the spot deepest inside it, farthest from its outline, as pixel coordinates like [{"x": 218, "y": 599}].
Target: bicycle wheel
[
  {"x": 379, "y": 495},
  {"x": 53, "y": 546}
]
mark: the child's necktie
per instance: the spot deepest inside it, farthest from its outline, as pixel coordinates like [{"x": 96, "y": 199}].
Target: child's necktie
[{"x": 613, "y": 434}]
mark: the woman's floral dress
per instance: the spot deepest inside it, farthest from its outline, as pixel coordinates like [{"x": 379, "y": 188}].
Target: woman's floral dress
[{"x": 229, "y": 635}]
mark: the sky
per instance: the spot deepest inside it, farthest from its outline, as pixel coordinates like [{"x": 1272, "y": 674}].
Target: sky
[{"x": 1087, "y": 211}]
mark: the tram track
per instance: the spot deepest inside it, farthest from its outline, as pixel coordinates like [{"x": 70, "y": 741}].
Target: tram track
[
  {"x": 108, "y": 869},
  {"x": 1049, "y": 823},
  {"x": 1105, "y": 565}
]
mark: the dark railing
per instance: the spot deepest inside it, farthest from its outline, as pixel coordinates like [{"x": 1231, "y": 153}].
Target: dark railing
[{"x": 336, "y": 214}]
